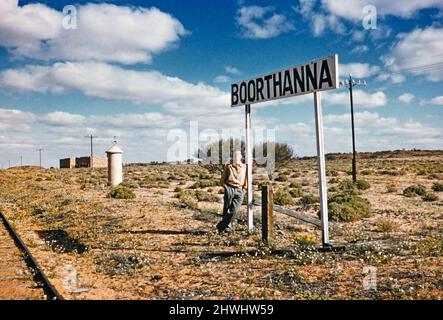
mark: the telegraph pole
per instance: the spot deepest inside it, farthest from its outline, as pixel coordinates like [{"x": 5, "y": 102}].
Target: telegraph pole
[
  {"x": 92, "y": 149},
  {"x": 40, "y": 156},
  {"x": 350, "y": 84},
  {"x": 21, "y": 161}
]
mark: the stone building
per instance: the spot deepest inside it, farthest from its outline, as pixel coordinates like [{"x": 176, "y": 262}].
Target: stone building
[
  {"x": 84, "y": 162},
  {"x": 67, "y": 163}
]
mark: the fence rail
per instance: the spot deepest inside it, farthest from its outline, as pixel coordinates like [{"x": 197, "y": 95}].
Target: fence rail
[{"x": 291, "y": 213}]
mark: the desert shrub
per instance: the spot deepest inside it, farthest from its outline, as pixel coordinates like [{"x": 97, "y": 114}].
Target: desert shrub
[
  {"x": 295, "y": 185},
  {"x": 203, "y": 183},
  {"x": 305, "y": 240},
  {"x": 392, "y": 172},
  {"x": 332, "y": 173},
  {"x": 437, "y": 186},
  {"x": 385, "y": 225},
  {"x": 205, "y": 196},
  {"x": 431, "y": 246},
  {"x": 308, "y": 199},
  {"x": 346, "y": 206},
  {"x": 282, "y": 197},
  {"x": 415, "y": 190},
  {"x": 204, "y": 176},
  {"x": 178, "y": 189},
  {"x": 187, "y": 200},
  {"x": 296, "y": 174},
  {"x": 347, "y": 186},
  {"x": 282, "y": 178},
  {"x": 130, "y": 184},
  {"x": 390, "y": 188},
  {"x": 430, "y": 197},
  {"x": 296, "y": 192},
  {"x": 121, "y": 192},
  {"x": 362, "y": 184},
  {"x": 334, "y": 180},
  {"x": 121, "y": 264}
]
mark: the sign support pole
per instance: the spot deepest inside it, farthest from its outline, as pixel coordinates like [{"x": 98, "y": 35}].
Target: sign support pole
[
  {"x": 249, "y": 167},
  {"x": 321, "y": 169}
]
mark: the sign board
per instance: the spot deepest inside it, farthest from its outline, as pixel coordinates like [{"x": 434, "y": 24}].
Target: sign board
[{"x": 317, "y": 75}]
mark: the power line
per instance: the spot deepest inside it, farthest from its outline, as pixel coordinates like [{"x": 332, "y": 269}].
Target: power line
[
  {"x": 40, "y": 156},
  {"x": 90, "y": 136},
  {"x": 350, "y": 84}
]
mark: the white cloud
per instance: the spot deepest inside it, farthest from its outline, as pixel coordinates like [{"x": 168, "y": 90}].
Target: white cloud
[
  {"x": 105, "y": 32},
  {"x": 15, "y": 120},
  {"x": 110, "y": 82},
  {"x": 437, "y": 101},
  {"x": 26, "y": 26},
  {"x": 231, "y": 70},
  {"x": 419, "y": 52},
  {"x": 59, "y": 118},
  {"x": 406, "y": 98},
  {"x": 362, "y": 99},
  {"x": 359, "y": 70},
  {"x": 373, "y": 132},
  {"x": 177, "y": 97},
  {"x": 368, "y": 119},
  {"x": 221, "y": 79},
  {"x": 136, "y": 120},
  {"x": 320, "y": 22},
  {"x": 261, "y": 22},
  {"x": 394, "y": 78},
  {"x": 360, "y": 49},
  {"x": 353, "y": 9}
]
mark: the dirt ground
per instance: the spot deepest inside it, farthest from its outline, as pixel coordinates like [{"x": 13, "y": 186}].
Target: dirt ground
[{"x": 163, "y": 244}]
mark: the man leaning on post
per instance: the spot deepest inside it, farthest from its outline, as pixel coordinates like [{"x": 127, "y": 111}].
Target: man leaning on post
[{"x": 234, "y": 180}]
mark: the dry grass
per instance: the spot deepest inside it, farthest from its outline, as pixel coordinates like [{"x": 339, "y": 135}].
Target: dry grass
[{"x": 162, "y": 244}]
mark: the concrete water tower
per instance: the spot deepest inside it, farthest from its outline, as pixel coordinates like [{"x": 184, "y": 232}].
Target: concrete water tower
[{"x": 115, "y": 165}]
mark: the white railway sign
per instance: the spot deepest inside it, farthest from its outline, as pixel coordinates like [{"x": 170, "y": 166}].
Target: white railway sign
[
  {"x": 317, "y": 75},
  {"x": 311, "y": 77}
]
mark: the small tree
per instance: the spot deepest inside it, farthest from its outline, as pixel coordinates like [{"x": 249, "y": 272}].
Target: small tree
[
  {"x": 214, "y": 155},
  {"x": 274, "y": 155}
]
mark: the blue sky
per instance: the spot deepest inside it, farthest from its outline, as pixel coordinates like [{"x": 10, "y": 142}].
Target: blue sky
[{"x": 141, "y": 70}]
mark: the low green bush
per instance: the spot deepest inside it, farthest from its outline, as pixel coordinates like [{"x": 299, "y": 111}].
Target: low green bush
[
  {"x": 414, "y": 190},
  {"x": 430, "y": 197},
  {"x": 296, "y": 192},
  {"x": 282, "y": 197},
  {"x": 347, "y": 206},
  {"x": 121, "y": 192},
  {"x": 437, "y": 186},
  {"x": 204, "y": 183},
  {"x": 308, "y": 199},
  {"x": 362, "y": 184},
  {"x": 391, "y": 188}
]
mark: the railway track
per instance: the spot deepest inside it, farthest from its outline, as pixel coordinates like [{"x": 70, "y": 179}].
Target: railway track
[{"x": 21, "y": 278}]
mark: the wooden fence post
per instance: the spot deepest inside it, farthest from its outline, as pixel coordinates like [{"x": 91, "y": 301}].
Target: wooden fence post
[{"x": 267, "y": 229}]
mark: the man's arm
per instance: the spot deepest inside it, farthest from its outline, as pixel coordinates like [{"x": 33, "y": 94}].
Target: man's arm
[
  {"x": 224, "y": 175},
  {"x": 245, "y": 184}
]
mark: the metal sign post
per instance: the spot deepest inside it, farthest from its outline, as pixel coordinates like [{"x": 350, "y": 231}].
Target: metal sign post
[
  {"x": 248, "y": 155},
  {"x": 321, "y": 169},
  {"x": 311, "y": 77}
]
